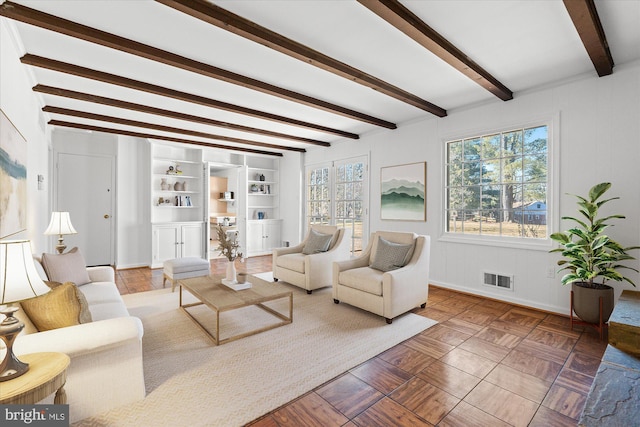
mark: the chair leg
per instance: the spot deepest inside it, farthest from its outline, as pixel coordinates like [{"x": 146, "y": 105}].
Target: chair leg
[
  {"x": 275, "y": 279},
  {"x": 389, "y": 321},
  {"x": 309, "y": 292},
  {"x": 423, "y": 305},
  {"x": 164, "y": 280},
  {"x": 337, "y": 301}
]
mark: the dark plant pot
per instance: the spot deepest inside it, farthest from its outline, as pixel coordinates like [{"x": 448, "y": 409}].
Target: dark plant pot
[{"x": 586, "y": 302}]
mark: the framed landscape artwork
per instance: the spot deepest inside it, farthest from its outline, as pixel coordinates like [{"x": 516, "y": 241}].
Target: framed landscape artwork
[
  {"x": 13, "y": 179},
  {"x": 403, "y": 192}
]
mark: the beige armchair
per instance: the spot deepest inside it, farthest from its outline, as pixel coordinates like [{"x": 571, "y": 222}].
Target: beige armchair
[
  {"x": 312, "y": 271},
  {"x": 386, "y": 293}
]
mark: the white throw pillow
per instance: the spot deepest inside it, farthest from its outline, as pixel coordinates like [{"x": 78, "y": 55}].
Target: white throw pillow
[{"x": 67, "y": 267}]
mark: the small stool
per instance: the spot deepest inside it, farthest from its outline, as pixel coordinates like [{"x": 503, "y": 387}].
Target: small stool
[{"x": 184, "y": 268}]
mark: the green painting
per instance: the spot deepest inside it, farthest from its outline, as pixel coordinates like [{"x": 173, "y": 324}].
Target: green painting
[{"x": 403, "y": 192}]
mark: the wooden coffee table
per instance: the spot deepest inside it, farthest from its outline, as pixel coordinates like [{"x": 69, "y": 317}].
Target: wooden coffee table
[{"x": 211, "y": 292}]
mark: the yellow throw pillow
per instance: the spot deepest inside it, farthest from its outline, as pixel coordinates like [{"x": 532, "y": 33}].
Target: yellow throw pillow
[{"x": 63, "y": 306}]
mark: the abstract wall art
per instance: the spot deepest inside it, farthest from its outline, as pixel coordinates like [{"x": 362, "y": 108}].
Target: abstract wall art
[{"x": 13, "y": 179}]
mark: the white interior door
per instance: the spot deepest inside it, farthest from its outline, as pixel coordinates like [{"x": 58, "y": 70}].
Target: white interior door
[{"x": 85, "y": 188}]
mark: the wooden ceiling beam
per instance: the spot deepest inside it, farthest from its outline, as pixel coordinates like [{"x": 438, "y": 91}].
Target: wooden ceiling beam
[
  {"x": 406, "y": 21},
  {"x": 76, "y": 70},
  {"x": 63, "y": 26},
  {"x": 72, "y": 94},
  {"x": 585, "y": 18},
  {"x": 159, "y": 137},
  {"x": 136, "y": 123},
  {"x": 222, "y": 18}
]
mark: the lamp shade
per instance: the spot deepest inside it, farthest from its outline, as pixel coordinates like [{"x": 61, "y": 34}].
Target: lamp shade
[
  {"x": 19, "y": 279},
  {"x": 60, "y": 224}
]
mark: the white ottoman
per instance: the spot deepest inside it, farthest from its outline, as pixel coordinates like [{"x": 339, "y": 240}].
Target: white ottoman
[{"x": 184, "y": 268}]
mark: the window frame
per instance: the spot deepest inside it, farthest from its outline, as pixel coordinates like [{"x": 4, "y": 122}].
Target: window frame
[
  {"x": 332, "y": 219},
  {"x": 552, "y": 121}
]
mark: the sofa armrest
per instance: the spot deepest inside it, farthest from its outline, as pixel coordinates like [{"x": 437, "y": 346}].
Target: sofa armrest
[
  {"x": 361, "y": 261},
  {"x": 285, "y": 251},
  {"x": 82, "y": 339},
  {"x": 101, "y": 274}
]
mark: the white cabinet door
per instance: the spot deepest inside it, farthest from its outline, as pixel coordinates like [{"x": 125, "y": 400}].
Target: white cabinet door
[
  {"x": 165, "y": 244},
  {"x": 177, "y": 240},
  {"x": 191, "y": 240},
  {"x": 254, "y": 237},
  {"x": 262, "y": 236},
  {"x": 271, "y": 235}
]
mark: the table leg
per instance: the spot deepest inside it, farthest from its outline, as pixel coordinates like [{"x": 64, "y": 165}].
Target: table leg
[{"x": 61, "y": 396}]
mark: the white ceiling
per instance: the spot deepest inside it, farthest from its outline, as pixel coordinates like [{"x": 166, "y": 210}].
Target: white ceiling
[{"x": 524, "y": 44}]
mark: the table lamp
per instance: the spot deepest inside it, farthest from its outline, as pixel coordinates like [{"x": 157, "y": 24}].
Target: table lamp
[
  {"x": 19, "y": 280},
  {"x": 60, "y": 224}
]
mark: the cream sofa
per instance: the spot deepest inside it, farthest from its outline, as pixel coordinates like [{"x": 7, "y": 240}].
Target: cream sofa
[
  {"x": 385, "y": 293},
  {"x": 312, "y": 271},
  {"x": 106, "y": 354}
]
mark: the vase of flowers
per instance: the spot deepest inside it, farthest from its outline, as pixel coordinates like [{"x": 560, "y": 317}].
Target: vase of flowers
[{"x": 229, "y": 248}]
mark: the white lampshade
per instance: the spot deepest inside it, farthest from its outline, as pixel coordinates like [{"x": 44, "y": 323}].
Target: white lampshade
[
  {"x": 60, "y": 224},
  {"x": 19, "y": 279}
]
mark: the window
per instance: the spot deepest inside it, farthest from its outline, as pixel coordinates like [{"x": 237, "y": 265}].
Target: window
[
  {"x": 337, "y": 194},
  {"x": 496, "y": 184},
  {"x": 350, "y": 197},
  {"x": 318, "y": 201}
]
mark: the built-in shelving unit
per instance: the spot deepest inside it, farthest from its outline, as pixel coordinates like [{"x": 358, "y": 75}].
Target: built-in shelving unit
[
  {"x": 263, "y": 201},
  {"x": 263, "y": 206},
  {"x": 177, "y": 203}
]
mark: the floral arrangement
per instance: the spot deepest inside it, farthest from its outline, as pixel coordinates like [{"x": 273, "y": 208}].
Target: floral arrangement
[{"x": 228, "y": 247}]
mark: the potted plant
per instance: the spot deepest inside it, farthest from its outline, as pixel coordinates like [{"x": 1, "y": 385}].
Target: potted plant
[
  {"x": 229, "y": 247},
  {"x": 591, "y": 257}
]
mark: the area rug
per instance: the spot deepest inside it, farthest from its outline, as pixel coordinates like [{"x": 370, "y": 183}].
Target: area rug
[{"x": 192, "y": 382}]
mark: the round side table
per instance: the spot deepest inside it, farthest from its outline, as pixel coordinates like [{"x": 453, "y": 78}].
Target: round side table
[{"x": 46, "y": 375}]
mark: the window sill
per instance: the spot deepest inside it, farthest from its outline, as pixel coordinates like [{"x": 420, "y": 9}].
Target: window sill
[{"x": 502, "y": 242}]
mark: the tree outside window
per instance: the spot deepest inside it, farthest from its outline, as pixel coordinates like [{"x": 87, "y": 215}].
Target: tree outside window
[{"x": 496, "y": 184}]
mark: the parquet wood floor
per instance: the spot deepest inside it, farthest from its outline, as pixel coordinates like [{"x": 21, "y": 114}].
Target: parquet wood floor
[{"x": 487, "y": 363}]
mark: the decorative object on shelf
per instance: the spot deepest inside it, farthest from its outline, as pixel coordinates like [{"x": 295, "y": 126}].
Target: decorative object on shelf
[
  {"x": 160, "y": 201},
  {"x": 261, "y": 177},
  {"x": 254, "y": 188},
  {"x": 589, "y": 254},
  {"x": 164, "y": 186},
  {"x": 178, "y": 171},
  {"x": 260, "y": 215},
  {"x": 225, "y": 221},
  {"x": 19, "y": 281},
  {"x": 171, "y": 171},
  {"x": 178, "y": 186},
  {"x": 60, "y": 224},
  {"x": 184, "y": 186},
  {"x": 258, "y": 176}
]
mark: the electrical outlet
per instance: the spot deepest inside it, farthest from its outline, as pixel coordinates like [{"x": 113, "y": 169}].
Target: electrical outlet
[{"x": 551, "y": 272}]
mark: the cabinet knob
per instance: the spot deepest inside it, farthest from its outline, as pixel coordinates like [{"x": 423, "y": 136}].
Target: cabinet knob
[{"x": 106, "y": 216}]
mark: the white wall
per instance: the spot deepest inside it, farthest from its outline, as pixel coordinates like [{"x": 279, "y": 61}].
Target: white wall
[
  {"x": 22, "y": 106},
  {"x": 133, "y": 203},
  {"x": 291, "y": 197},
  {"x": 599, "y": 141}
]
